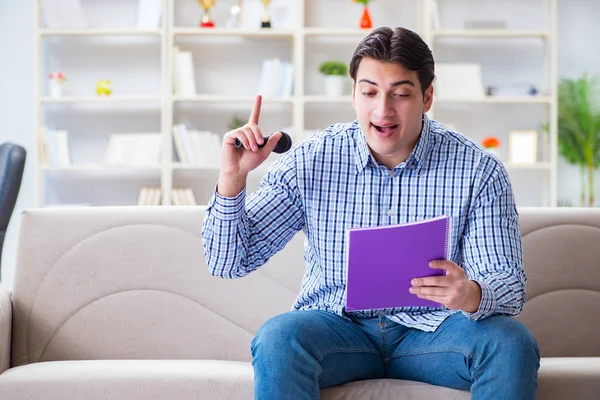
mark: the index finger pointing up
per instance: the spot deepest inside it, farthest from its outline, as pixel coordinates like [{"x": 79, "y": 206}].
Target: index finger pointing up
[{"x": 256, "y": 110}]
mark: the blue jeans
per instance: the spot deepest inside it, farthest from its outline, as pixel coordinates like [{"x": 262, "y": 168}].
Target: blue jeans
[{"x": 297, "y": 353}]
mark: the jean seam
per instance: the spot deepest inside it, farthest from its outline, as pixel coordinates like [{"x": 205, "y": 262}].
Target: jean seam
[
  {"x": 328, "y": 353},
  {"x": 440, "y": 350}
]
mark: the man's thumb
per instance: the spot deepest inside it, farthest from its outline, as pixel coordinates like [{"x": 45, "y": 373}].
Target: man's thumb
[{"x": 272, "y": 142}]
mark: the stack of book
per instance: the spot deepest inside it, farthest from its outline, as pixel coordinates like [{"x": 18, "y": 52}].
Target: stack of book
[
  {"x": 201, "y": 148},
  {"x": 149, "y": 196},
  {"x": 183, "y": 197},
  {"x": 276, "y": 79},
  {"x": 54, "y": 149},
  {"x": 184, "y": 80}
]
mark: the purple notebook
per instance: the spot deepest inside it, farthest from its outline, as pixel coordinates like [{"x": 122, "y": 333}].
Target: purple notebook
[{"x": 382, "y": 261}]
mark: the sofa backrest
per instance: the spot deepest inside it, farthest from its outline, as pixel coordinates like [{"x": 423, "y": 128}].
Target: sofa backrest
[
  {"x": 561, "y": 251},
  {"x": 131, "y": 283}
]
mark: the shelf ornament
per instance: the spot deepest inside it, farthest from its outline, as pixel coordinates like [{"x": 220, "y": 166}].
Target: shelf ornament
[
  {"x": 365, "y": 20},
  {"x": 103, "y": 88},
  {"x": 56, "y": 81},
  {"x": 491, "y": 144},
  {"x": 206, "y": 21}
]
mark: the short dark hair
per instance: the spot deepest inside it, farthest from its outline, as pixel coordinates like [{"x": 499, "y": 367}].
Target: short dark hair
[{"x": 399, "y": 45}]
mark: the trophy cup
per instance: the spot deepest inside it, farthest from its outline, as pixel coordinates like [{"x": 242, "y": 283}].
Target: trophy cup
[
  {"x": 206, "y": 22},
  {"x": 266, "y": 20}
]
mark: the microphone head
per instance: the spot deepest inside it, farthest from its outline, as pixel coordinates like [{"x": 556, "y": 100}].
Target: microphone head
[{"x": 284, "y": 143}]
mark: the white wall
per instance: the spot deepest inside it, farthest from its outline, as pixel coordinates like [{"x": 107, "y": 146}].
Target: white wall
[
  {"x": 578, "y": 33},
  {"x": 17, "y": 107}
]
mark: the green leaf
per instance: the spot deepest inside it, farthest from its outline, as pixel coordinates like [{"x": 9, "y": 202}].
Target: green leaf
[{"x": 579, "y": 120}]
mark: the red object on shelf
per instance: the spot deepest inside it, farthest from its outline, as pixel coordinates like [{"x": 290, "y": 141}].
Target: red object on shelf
[
  {"x": 365, "y": 20},
  {"x": 208, "y": 24}
]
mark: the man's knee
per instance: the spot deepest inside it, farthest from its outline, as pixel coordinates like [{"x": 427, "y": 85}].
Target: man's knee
[
  {"x": 510, "y": 337},
  {"x": 283, "y": 331}
]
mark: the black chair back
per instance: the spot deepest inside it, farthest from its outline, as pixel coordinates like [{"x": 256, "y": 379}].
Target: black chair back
[{"x": 12, "y": 164}]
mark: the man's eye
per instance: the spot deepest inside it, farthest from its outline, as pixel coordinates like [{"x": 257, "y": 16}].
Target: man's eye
[
  {"x": 369, "y": 94},
  {"x": 402, "y": 95}
]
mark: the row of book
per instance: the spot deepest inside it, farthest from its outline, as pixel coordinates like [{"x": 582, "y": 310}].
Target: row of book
[
  {"x": 276, "y": 79},
  {"x": 276, "y": 76},
  {"x": 152, "y": 196},
  {"x": 193, "y": 147},
  {"x": 54, "y": 148},
  {"x": 124, "y": 149}
]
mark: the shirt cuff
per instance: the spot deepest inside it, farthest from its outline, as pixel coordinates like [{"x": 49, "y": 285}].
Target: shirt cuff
[
  {"x": 227, "y": 208},
  {"x": 487, "y": 307}
]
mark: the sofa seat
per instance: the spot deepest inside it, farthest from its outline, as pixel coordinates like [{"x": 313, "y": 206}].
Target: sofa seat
[
  {"x": 128, "y": 380},
  {"x": 179, "y": 380},
  {"x": 560, "y": 378},
  {"x": 569, "y": 378}
]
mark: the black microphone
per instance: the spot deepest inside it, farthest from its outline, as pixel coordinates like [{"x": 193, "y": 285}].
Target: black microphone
[{"x": 283, "y": 145}]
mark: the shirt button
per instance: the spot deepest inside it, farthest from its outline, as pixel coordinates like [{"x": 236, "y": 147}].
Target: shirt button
[{"x": 390, "y": 213}]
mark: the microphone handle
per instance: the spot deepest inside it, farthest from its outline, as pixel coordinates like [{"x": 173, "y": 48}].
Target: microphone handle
[{"x": 237, "y": 143}]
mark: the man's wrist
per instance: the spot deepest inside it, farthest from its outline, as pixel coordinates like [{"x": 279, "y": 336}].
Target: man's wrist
[
  {"x": 230, "y": 185},
  {"x": 474, "y": 297}
]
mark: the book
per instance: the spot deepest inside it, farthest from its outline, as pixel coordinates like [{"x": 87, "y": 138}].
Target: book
[
  {"x": 148, "y": 14},
  {"x": 383, "y": 260}
]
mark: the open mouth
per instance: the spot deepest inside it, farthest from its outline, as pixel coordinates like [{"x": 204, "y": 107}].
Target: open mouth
[{"x": 385, "y": 130}]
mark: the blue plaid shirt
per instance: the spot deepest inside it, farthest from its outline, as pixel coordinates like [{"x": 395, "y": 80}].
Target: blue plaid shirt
[{"x": 330, "y": 182}]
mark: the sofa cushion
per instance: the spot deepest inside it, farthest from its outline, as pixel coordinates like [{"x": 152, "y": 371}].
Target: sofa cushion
[
  {"x": 129, "y": 379},
  {"x": 391, "y": 389},
  {"x": 178, "y": 379},
  {"x": 574, "y": 378}
]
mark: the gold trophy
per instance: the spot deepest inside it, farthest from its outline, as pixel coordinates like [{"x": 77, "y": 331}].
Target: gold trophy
[
  {"x": 266, "y": 21},
  {"x": 206, "y": 22}
]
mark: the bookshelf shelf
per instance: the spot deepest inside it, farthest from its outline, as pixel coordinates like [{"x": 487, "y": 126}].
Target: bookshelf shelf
[
  {"x": 491, "y": 33},
  {"x": 497, "y": 100},
  {"x": 95, "y": 99},
  {"x": 354, "y": 33},
  {"x": 209, "y": 98},
  {"x": 248, "y": 33},
  {"x": 328, "y": 99},
  {"x": 99, "y": 32},
  {"x": 104, "y": 170}
]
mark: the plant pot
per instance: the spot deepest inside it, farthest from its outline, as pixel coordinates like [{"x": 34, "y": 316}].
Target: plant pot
[
  {"x": 334, "y": 85},
  {"x": 55, "y": 89}
]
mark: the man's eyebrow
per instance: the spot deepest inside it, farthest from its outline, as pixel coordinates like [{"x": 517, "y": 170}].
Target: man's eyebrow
[{"x": 402, "y": 82}]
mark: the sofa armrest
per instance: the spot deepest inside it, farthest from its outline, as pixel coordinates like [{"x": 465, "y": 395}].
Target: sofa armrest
[{"x": 5, "y": 328}]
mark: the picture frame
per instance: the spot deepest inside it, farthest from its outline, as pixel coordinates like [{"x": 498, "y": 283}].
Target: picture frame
[
  {"x": 522, "y": 147},
  {"x": 459, "y": 81}
]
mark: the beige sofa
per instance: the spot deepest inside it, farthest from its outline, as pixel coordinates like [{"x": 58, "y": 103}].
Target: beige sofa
[{"x": 117, "y": 303}]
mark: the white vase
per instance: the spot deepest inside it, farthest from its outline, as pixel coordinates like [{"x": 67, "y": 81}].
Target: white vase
[
  {"x": 55, "y": 88},
  {"x": 334, "y": 85}
]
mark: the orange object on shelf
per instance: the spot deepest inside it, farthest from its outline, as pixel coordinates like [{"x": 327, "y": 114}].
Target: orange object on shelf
[
  {"x": 365, "y": 21},
  {"x": 490, "y": 142}
]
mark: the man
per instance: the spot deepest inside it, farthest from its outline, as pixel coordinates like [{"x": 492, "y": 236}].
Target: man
[{"x": 392, "y": 165}]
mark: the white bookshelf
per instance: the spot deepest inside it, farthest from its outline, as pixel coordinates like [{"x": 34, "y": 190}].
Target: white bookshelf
[{"x": 227, "y": 69}]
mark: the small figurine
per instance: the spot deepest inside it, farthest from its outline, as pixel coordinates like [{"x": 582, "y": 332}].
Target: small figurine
[
  {"x": 55, "y": 84},
  {"x": 103, "y": 87}
]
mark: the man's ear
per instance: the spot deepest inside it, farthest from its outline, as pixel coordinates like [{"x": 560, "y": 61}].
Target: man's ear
[
  {"x": 428, "y": 99},
  {"x": 353, "y": 88}
]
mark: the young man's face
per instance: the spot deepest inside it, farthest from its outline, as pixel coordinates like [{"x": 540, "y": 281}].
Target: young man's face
[{"x": 389, "y": 105}]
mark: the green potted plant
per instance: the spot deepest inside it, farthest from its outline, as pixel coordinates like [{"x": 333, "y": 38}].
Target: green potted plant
[
  {"x": 335, "y": 73},
  {"x": 579, "y": 129}
]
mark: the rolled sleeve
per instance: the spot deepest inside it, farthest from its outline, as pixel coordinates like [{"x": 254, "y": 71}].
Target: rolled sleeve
[
  {"x": 227, "y": 208},
  {"x": 487, "y": 307}
]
